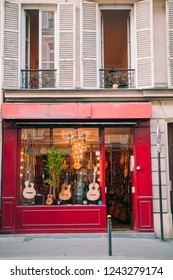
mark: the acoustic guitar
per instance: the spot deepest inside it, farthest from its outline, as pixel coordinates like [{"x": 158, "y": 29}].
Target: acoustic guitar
[
  {"x": 112, "y": 208},
  {"x": 94, "y": 189},
  {"x": 49, "y": 199},
  {"x": 90, "y": 165},
  {"x": 65, "y": 193},
  {"x": 29, "y": 191},
  {"x": 77, "y": 164},
  {"x": 123, "y": 214},
  {"x": 117, "y": 211},
  {"x": 80, "y": 189}
]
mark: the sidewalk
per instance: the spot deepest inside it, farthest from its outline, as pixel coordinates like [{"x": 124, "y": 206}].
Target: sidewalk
[{"x": 86, "y": 246}]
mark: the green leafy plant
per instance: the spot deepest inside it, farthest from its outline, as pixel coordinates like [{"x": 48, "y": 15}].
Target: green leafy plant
[{"x": 54, "y": 166}]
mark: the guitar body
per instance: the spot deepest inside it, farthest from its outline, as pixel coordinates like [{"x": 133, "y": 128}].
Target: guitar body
[
  {"x": 90, "y": 165},
  {"x": 112, "y": 208},
  {"x": 94, "y": 192},
  {"x": 94, "y": 189},
  {"x": 79, "y": 192},
  {"x": 49, "y": 199},
  {"x": 77, "y": 165},
  {"x": 80, "y": 189},
  {"x": 117, "y": 210},
  {"x": 29, "y": 192},
  {"x": 65, "y": 193},
  {"x": 123, "y": 214}
]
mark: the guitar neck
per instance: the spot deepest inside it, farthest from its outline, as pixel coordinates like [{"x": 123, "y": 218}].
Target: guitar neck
[
  {"x": 29, "y": 172},
  {"x": 94, "y": 178},
  {"x": 50, "y": 190},
  {"x": 66, "y": 181},
  {"x": 80, "y": 178}
]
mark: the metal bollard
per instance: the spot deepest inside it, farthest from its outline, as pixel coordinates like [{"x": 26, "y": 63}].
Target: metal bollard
[{"x": 109, "y": 224}]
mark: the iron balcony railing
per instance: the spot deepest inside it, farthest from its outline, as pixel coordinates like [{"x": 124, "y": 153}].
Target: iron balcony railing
[
  {"x": 117, "y": 78},
  {"x": 38, "y": 78},
  {"x": 109, "y": 78}
]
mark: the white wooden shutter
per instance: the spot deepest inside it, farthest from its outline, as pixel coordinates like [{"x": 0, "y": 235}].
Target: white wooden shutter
[
  {"x": 169, "y": 15},
  {"x": 11, "y": 72},
  {"x": 144, "y": 44},
  {"x": 89, "y": 68},
  {"x": 66, "y": 45}
]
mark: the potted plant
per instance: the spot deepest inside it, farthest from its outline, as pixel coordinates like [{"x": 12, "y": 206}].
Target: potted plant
[{"x": 54, "y": 167}]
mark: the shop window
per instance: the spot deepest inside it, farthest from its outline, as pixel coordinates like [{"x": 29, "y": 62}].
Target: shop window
[{"x": 60, "y": 166}]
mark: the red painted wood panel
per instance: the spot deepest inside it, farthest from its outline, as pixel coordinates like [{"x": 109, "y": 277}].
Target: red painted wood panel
[
  {"x": 9, "y": 174},
  {"x": 145, "y": 217},
  {"x": 61, "y": 219},
  {"x": 142, "y": 181},
  {"x": 9, "y": 167},
  {"x": 77, "y": 111},
  {"x": 8, "y": 214}
]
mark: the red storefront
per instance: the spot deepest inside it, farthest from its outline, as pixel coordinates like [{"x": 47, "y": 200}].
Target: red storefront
[{"x": 106, "y": 153}]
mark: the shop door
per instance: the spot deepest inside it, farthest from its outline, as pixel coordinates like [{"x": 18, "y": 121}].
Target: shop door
[{"x": 118, "y": 151}]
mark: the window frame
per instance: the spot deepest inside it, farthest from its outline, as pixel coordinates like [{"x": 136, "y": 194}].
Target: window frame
[{"x": 40, "y": 8}]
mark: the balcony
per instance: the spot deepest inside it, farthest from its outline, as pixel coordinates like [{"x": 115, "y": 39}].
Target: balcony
[
  {"x": 38, "y": 79},
  {"x": 117, "y": 78},
  {"x": 109, "y": 78}
]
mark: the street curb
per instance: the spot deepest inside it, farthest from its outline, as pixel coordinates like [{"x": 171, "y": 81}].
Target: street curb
[{"x": 114, "y": 234}]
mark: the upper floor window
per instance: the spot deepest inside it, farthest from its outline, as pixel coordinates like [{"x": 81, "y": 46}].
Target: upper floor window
[
  {"x": 48, "y": 40},
  {"x": 48, "y": 56},
  {"x": 116, "y": 65},
  {"x": 60, "y": 54},
  {"x": 38, "y": 51}
]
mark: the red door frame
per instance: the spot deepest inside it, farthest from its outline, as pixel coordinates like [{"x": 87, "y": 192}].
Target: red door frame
[
  {"x": 9, "y": 179},
  {"x": 142, "y": 180}
]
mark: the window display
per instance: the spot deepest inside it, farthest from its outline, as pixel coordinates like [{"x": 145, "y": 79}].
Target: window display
[
  {"x": 60, "y": 166},
  {"x": 72, "y": 166}
]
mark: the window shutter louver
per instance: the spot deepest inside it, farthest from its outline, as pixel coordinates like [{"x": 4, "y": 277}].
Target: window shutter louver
[
  {"x": 144, "y": 44},
  {"x": 89, "y": 45},
  {"x": 11, "y": 45},
  {"x": 169, "y": 7},
  {"x": 66, "y": 63}
]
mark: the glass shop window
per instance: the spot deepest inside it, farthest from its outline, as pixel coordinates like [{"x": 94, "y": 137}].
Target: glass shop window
[{"x": 60, "y": 166}]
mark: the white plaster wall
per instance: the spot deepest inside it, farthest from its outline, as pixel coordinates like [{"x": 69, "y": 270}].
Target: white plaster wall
[
  {"x": 166, "y": 225},
  {"x": 162, "y": 112}
]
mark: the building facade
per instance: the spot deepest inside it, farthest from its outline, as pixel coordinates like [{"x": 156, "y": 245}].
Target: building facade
[{"x": 85, "y": 86}]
